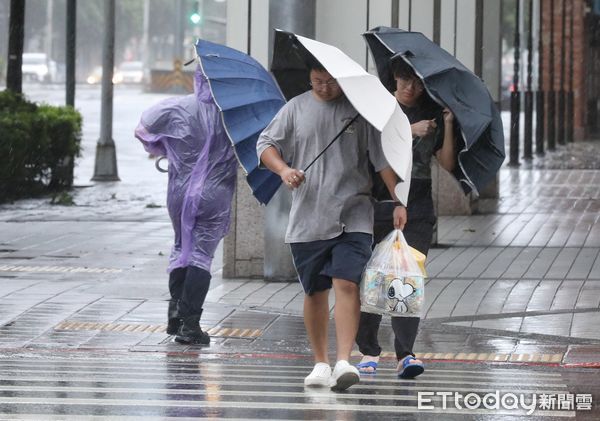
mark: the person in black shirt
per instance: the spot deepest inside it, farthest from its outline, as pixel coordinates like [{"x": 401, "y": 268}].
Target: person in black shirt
[{"x": 433, "y": 134}]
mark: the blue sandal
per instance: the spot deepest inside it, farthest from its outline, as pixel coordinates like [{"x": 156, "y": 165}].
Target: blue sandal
[
  {"x": 367, "y": 364},
  {"x": 410, "y": 368}
]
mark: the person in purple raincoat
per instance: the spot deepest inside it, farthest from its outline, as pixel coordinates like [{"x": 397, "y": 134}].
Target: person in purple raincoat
[{"x": 202, "y": 177}]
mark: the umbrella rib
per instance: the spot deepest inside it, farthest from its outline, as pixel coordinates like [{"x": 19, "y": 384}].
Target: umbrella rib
[{"x": 383, "y": 43}]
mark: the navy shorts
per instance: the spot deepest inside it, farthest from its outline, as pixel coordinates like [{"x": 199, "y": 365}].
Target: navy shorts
[{"x": 342, "y": 257}]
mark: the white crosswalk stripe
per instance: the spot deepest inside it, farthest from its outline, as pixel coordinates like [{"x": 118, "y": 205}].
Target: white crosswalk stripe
[{"x": 103, "y": 389}]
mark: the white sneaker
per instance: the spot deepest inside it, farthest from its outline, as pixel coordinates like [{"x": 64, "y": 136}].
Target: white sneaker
[
  {"x": 344, "y": 375},
  {"x": 319, "y": 376}
]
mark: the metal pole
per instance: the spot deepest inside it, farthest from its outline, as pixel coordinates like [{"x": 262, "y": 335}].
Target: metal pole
[
  {"x": 146, "y": 42},
  {"x": 539, "y": 100},
  {"x": 395, "y": 12},
  {"x": 70, "y": 51},
  {"x": 16, "y": 37},
  {"x": 49, "y": 29},
  {"x": 249, "y": 38},
  {"x": 198, "y": 28},
  {"x": 561, "y": 93},
  {"x": 437, "y": 16},
  {"x": 569, "y": 134},
  {"x": 591, "y": 83},
  {"x": 367, "y": 19},
  {"x": 551, "y": 93},
  {"x": 528, "y": 137},
  {"x": 179, "y": 35},
  {"x": 478, "y": 59},
  {"x": 515, "y": 104},
  {"x": 106, "y": 154}
]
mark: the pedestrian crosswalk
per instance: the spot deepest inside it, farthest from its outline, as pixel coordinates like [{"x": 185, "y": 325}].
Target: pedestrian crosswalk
[{"x": 105, "y": 388}]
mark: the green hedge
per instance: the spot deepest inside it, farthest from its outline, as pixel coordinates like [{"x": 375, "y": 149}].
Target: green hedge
[{"x": 39, "y": 144}]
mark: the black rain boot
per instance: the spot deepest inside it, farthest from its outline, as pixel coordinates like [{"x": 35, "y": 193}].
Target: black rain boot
[
  {"x": 176, "y": 282},
  {"x": 190, "y": 332},
  {"x": 173, "y": 318}
]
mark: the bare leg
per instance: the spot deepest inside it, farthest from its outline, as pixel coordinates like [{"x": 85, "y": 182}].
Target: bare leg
[
  {"x": 347, "y": 315},
  {"x": 316, "y": 321}
]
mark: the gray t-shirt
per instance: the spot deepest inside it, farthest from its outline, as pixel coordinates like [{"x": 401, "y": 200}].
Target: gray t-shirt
[{"x": 336, "y": 195}]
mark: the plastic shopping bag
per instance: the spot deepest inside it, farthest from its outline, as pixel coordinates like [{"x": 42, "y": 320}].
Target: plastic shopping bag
[{"x": 394, "y": 279}]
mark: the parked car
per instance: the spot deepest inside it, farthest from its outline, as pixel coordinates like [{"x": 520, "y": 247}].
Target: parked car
[
  {"x": 130, "y": 72},
  {"x": 37, "y": 67}
]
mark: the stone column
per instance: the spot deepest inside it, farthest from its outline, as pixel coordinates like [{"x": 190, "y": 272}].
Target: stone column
[
  {"x": 297, "y": 16},
  {"x": 255, "y": 245},
  {"x": 491, "y": 72},
  {"x": 247, "y": 30}
]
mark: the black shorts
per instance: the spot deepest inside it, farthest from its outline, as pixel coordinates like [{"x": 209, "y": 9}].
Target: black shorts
[{"x": 342, "y": 257}]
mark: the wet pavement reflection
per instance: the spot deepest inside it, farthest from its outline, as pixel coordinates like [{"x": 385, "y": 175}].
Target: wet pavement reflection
[{"x": 247, "y": 387}]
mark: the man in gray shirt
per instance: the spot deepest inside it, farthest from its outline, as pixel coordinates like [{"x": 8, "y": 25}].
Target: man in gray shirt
[{"x": 331, "y": 220}]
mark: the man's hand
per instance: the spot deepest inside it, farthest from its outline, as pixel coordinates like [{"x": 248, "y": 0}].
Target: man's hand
[
  {"x": 423, "y": 128},
  {"x": 400, "y": 217},
  {"x": 292, "y": 177}
]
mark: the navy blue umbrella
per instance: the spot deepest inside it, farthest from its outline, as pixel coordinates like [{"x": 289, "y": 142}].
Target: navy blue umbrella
[
  {"x": 248, "y": 98},
  {"x": 452, "y": 85}
]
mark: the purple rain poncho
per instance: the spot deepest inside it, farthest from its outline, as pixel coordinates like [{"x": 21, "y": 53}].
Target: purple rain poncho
[{"x": 202, "y": 171}]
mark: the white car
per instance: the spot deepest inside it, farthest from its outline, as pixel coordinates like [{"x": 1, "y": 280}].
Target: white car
[
  {"x": 37, "y": 67},
  {"x": 130, "y": 72}
]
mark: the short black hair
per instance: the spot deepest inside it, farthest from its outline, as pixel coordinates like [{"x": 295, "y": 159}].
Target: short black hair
[
  {"x": 402, "y": 69},
  {"x": 314, "y": 64}
]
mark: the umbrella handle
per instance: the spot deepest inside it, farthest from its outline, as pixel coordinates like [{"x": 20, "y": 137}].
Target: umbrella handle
[
  {"x": 157, "y": 164},
  {"x": 331, "y": 143}
]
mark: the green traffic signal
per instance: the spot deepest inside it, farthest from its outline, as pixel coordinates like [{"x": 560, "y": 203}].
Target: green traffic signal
[{"x": 195, "y": 18}]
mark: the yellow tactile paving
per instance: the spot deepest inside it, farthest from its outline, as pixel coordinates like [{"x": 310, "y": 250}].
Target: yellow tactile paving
[
  {"x": 472, "y": 356},
  {"x": 146, "y": 328},
  {"x": 61, "y": 269}
]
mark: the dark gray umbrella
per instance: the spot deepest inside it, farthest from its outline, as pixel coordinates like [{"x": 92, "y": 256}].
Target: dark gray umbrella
[
  {"x": 452, "y": 85},
  {"x": 291, "y": 64}
]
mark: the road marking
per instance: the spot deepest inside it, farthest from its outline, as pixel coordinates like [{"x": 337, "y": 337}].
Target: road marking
[
  {"x": 326, "y": 406},
  {"x": 151, "y": 328},
  {"x": 196, "y": 364},
  {"x": 60, "y": 269},
  {"x": 365, "y": 385},
  {"x": 216, "y": 375},
  {"x": 220, "y": 392},
  {"x": 278, "y": 373},
  {"x": 483, "y": 356}
]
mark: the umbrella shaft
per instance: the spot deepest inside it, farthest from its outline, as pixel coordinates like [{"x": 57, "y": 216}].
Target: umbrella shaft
[{"x": 331, "y": 143}]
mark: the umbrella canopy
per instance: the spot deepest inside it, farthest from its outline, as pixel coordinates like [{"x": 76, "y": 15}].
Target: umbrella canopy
[
  {"x": 454, "y": 86},
  {"x": 248, "y": 99},
  {"x": 368, "y": 96}
]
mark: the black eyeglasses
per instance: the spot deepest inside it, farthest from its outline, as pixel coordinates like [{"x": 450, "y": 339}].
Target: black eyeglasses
[
  {"x": 414, "y": 82},
  {"x": 317, "y": 82}
]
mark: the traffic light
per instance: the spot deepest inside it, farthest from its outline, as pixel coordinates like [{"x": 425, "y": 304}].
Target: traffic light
[
  {"x": 196, "y": 12},
  {"x": 195, "y": 18}
]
